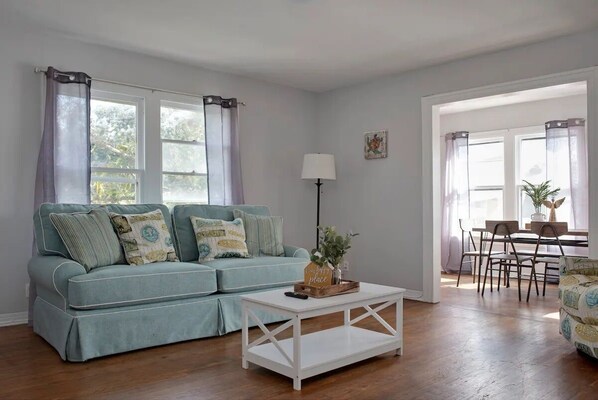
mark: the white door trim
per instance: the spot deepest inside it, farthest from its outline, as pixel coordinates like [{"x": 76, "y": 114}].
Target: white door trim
[{"x": 431, "y": 161}]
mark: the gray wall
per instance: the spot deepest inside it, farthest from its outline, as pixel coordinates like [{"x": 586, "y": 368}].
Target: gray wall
[
  {"x": 277, "y": 128},
  {"x": 382, "y": 199}
]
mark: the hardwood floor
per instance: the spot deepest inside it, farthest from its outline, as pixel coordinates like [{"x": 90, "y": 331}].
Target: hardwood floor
[{"x": 466, "y": 347}]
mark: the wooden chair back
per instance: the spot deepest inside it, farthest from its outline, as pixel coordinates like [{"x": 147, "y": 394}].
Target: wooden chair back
[
  {"x": 549, "y": 229},
  {"x": 502, "y": 228}
]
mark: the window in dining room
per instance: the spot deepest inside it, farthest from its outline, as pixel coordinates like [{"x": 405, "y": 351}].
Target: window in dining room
[{"x": 486, "y": 180}]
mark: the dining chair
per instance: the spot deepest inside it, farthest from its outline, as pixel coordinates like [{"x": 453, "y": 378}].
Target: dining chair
[
  {"x": 505, "y": 259},
  {"x": 467, "y": 236},
  {"x": 547, "y": 230}
]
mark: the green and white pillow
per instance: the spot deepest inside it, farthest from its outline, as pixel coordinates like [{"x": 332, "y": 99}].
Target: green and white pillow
[
  {"x": 219, "y": 239},
  {"x": 145, "y": 238},
  {"x": 264, "y": 234},
  {"x": 89, "y": 238}
]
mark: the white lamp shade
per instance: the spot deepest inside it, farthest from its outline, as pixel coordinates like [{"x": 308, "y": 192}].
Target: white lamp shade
[{"x": 318, "y": 166}]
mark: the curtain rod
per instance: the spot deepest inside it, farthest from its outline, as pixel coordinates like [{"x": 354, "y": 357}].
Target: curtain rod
[{"x": 39, "y": 70}]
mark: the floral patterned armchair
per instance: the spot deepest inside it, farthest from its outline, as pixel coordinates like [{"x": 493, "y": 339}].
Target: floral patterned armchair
[{"x": 578, "y": 295}]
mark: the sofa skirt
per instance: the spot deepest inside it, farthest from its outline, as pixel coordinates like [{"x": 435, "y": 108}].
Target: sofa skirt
[{"x": 80, "y": 335}]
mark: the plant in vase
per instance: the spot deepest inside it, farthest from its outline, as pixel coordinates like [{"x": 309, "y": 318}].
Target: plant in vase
[
  {"x": 332, "y": 248},
  {"x": 538, "y": 194}
]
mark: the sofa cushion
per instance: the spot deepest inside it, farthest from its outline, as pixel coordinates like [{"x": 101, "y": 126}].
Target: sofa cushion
[
  {"x": 89, "y": 238},
  {"x": 264, "y": 233},
  {"x": 48, "y": 241},
  {"x": 242, "y": 274},
  {"x": 122, "y": 285},
  {"x": 579, "y": 297},
  {"x": 183, "y": 229}
]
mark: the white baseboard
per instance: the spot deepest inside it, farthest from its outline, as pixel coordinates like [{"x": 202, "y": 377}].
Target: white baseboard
[
  {"x": 13, "y": 318},
  {"x": 414, "y": 295}
]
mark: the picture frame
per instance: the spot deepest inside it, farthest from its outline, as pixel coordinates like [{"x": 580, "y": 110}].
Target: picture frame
[{"x": 375, "y": 145}]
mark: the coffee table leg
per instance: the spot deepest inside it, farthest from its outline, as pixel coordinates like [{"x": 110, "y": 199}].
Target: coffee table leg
[
  {"x": 245, "y": 337},
  {"x": 347, "y": 317},
  {"x": 399, "y": 324},
  {"x": 297, "y": 353}
]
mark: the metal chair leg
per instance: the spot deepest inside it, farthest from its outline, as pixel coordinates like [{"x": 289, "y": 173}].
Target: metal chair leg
[
  {"x": 545, "y": 272},
  {"x": 473, "y": 269},
  {"x": 519, "y": 280},
  {"x": 460, "y": 268},
  {"x": 500, "y": 267}
]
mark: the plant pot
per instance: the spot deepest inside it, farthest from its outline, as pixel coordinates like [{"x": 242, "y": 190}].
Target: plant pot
[{"x": 538, "y": 217}]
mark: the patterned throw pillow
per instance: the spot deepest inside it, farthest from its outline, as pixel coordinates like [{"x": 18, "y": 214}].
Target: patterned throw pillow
[
  {"x": 144, "y": 237},
  {"x": 219, "y": 239},
  {"x": 264, "y": 234},
  {"x": 89, "y": 238}
]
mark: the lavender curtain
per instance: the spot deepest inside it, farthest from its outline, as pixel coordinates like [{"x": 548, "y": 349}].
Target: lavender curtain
[
  {"x": 567, "y": 168},
  {"x": 63, "y": 165},
  {"x": 455, "y": 201},
  {"x": 225, "y": 184}
]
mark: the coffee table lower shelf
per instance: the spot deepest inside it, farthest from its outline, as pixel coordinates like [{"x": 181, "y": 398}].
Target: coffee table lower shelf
[{"x": 324, "y": 350}]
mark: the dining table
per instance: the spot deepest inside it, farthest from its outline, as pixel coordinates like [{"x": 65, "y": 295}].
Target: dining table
[{"x": 573, "y": 238}]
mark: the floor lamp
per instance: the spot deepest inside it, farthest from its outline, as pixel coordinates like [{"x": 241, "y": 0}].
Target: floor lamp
[{"x": 318, "y": 166}]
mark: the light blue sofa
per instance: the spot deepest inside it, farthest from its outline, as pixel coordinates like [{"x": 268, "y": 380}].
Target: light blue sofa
[{"x": 119, "y": 308}]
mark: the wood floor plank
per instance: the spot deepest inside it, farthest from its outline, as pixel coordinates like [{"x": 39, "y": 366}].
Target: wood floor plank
[{"x": 466, "y": 347}]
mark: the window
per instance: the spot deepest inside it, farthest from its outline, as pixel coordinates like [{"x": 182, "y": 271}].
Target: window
[
  {"x": 499, "y": 162},
  {"x": 184, "y": 167},
  {"x": 486, "y": 180},
  {"x": 116, "y": 132},
  {"x": 532, "y": 168},
  {"x": 165, "y": 163}
]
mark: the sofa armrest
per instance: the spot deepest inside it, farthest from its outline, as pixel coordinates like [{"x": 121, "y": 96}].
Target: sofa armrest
[
  {"x": 578, "y": 266},
  {"x": 297, "y": 252},
  {"x": 54, "y": 272}
]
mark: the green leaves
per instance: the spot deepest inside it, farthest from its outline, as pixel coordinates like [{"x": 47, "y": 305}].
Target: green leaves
[
  {"x": 539, "y": 193},
  {"x": 332, "y": 248}
]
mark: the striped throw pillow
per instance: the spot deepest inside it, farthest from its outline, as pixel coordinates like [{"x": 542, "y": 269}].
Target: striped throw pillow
[
  {"x": 89, "y": 238},
  {"x": 263, "y": 234}
]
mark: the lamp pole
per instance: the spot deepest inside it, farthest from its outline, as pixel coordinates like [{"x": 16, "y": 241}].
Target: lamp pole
[{"x": 318, "y": 184}]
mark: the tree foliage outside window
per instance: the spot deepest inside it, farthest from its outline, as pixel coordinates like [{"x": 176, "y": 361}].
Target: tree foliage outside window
[
  {"x": 113, "y": 145},
  {"x": 182, "y": 130},
  {"x": 114, "y": 148}
]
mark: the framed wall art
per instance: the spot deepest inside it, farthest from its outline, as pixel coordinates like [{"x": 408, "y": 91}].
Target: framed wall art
[{"x": 376, "y": 145}]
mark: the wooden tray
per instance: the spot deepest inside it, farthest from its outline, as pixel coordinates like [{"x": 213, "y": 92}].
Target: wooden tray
[{"x": 326, "y": 291}]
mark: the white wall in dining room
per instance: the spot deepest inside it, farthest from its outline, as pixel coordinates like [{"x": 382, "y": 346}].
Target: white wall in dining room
[
  {"x": 533, "y": 113},
  {"x": 520, "y": 115},
  {"x": 277, "y": 128},
  {"x": 382, "y": 199}
]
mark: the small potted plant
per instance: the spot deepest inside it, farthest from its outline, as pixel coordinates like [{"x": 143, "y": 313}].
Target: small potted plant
[
  {"x": 538, "y": 194},
  {"x": 332, "y": 248}
]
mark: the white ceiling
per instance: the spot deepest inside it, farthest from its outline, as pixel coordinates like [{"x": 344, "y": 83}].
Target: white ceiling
[
  {"x": 310, "y": 44},
  {"x": 524, "y": 96}
]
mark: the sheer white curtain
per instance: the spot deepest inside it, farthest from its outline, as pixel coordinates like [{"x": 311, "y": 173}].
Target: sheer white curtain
[
  {"x": 567, "y": 168},
  {"x": 225, "y": 183},
  {"x": 63, "y": 164},
  {"x": 455, "y": 200}
]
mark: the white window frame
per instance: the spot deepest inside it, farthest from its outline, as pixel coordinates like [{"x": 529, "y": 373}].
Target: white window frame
[
  {"x": 511, "y": 139},
  {"x": 184, "y": 103},
  {"x": 148, "y": 170},
  {"x": 520, "y": 134},
  {"x": 486, "y": 137},
  {"x": 107, "y": 93}
]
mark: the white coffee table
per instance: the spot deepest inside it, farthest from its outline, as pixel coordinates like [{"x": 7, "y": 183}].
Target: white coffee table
[{"x": 303, "y": 356}]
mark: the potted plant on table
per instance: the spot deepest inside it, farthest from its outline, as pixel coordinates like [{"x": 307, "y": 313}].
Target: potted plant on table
[
  {"x": 332, "y": 249},
  {"x": 538, "y": 194}
]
